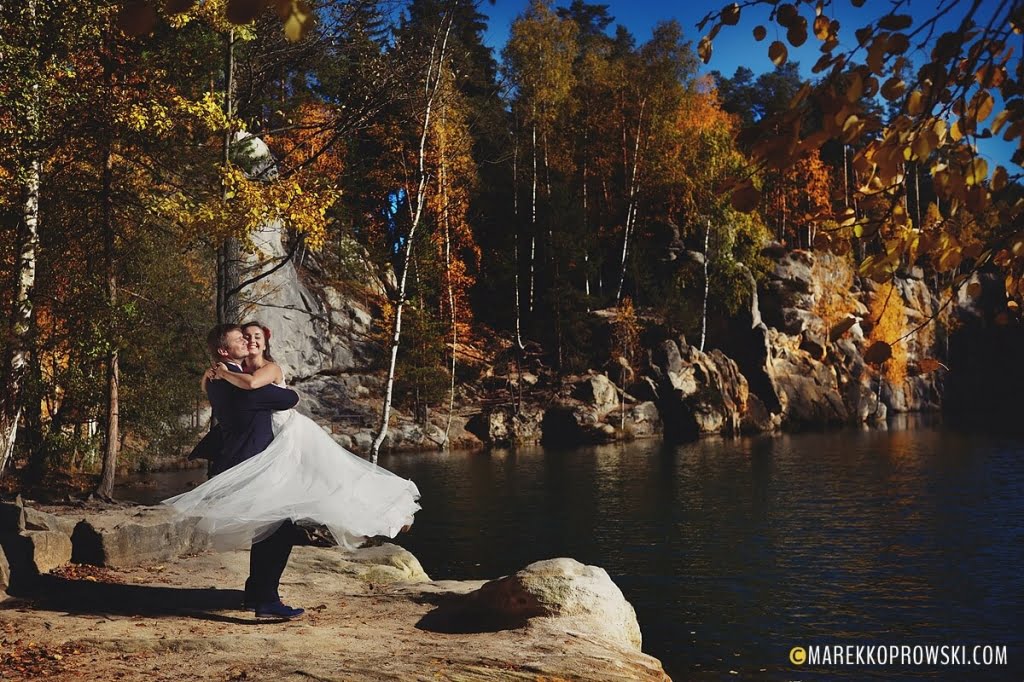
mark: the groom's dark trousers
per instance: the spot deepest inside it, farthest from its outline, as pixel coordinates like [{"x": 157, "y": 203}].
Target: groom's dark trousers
[{"x": 245, "y": 422}]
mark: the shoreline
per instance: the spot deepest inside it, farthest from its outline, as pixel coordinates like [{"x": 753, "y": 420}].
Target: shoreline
[{"x": 372, "y": 614}]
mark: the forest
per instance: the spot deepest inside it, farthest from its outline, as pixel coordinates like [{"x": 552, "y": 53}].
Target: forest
[{"x": 579, "y": 168}]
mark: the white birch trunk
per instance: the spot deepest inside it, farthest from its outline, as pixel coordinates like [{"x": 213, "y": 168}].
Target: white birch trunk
[
  {"x": 230, "y": 253},
  {"x": 533, "y": 219},
  {"x": 430, "y": 88},
  {"x": 443, "y": 183},
  {"x": 17, "y": 353},
  {"x": 704, "y": 307},
  {"x": 631, "y": 208},
  {"x": 515, "y": 245},
  {"x": 586, "y": 249}
]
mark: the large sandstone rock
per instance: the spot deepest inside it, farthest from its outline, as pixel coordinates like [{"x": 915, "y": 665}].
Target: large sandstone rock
[
  {"x": 644, "y": 420},
  {"x": 808, "y": 388},
  {"x": 135, "y": 535},
  {"x": 502, "y": 427},
  {"x": 381, "y": 565},
  {"x": 12, "y": 516},
  {"x": 789, "y": 291},
  {"x": 32, "y": 553},
  {"x": 700, "y": 393},
  {"x": 582, "y": 597},
  {"x": 599, "y": 391},
  {"x": 313, "y": 331}
]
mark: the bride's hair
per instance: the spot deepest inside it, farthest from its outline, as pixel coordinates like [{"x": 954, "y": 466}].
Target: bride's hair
[{"x": 266, "y": 337}]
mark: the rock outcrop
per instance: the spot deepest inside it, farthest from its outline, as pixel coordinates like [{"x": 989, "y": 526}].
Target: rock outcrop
[
  {"x": 37, "y": 540},
  {"x": 372, "y": 614},
  {"x": 580, "y": 597}
]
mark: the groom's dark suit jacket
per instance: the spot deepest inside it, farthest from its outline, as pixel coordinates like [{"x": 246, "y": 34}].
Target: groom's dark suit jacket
[{"x": 243, "y": 419}]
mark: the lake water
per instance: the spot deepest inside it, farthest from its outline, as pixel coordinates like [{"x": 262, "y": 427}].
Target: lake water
[{"x": 735, "y": 551}]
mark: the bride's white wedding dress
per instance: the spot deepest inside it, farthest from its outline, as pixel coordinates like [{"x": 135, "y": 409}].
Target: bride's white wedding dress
[{"x": 305, "y": 476}]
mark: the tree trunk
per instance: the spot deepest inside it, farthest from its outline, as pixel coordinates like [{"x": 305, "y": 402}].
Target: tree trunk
[
  {"x": 445, "y": 220},
  {"x": 18, "y": 331},
  {"x": 631, "y": 207},
  {"x": 431, "y": 86},
  {"x": 586, "y": 247},
  {"x": 229, "y": 256},
  {"x": 704, "y": 305},
  {"x": 515, "y": 244},
  {"x": 112, "y": 448},
  {"x": 533, "y": 219},
  {"x": 846, "y": 181}
]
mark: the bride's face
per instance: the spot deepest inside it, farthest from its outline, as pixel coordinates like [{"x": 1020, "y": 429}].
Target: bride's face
[{"x": 257, "y": 341}]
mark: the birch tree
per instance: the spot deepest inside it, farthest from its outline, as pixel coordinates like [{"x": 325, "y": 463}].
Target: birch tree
[
  {"x": 416, "y": 201},
  {"x": 23, "y": 50},
  {"x": 538, "y": 61}
]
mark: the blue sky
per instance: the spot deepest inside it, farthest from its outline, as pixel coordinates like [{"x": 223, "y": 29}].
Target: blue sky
[{"x": 735, "y": 45}]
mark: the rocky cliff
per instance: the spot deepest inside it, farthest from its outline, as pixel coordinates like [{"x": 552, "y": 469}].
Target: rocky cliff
[{"x": 792, "y": 358}]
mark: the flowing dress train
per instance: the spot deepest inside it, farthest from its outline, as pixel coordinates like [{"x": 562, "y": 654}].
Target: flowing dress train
[{"x": 305, "y": 476}]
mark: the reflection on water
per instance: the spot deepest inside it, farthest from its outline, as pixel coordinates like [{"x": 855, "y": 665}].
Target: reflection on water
[{"x": 734, "y": 551}]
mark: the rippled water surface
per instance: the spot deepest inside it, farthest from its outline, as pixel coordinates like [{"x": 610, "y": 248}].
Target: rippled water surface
[{"x": 734, "y": 551}]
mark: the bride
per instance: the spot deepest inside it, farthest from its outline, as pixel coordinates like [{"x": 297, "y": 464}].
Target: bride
[{"x": 303, "y": 475}]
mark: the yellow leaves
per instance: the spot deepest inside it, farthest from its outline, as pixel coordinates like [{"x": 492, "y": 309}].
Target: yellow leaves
[
  {"x": 915, "y": 103},
  {"x": 778, "y": 53},
  {"x": 977, "y": 171},
  {"x": 890, "y": 320},
  {"x": 980, "y": 106},
  {"x": 1000, "y": 179},
  {"x": 990, "y": 76},
  {"x": 151, "y": 117},
  {"x": 821, "y": 27},
  {"x": 956, "y": 132},
  {"x": 1000, "y": 120},
  {"x": 298, "y": 22}
]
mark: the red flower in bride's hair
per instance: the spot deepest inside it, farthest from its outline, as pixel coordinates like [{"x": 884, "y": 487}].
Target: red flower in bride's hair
[{"x": 266, "y": 333}]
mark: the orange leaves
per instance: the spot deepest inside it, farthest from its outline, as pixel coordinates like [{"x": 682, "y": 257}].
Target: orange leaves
[{"x": 887, "y": 347}]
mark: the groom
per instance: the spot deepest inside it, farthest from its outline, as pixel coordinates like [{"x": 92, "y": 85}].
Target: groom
[{"x": 244, "y": 418}]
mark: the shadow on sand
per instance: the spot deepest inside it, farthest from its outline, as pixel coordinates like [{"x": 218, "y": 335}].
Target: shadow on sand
[{"x": 53, "y": 593}]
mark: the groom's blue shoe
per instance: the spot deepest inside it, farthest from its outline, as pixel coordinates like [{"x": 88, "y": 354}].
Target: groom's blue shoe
[{"x": 277, "y": 609}]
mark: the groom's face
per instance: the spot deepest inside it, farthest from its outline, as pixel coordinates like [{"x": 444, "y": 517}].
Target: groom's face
[{"x": 236, "y": 347}]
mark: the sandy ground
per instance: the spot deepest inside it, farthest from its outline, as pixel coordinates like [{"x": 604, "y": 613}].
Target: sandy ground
[{"x": 183, "y": 620}]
